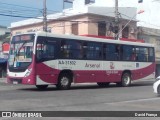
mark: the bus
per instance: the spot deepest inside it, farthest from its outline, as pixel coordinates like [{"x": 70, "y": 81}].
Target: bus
[{"x": 43, "y": 59}]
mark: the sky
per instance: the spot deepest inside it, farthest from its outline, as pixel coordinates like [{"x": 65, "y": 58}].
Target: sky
[{"x": 15, "y": 10}]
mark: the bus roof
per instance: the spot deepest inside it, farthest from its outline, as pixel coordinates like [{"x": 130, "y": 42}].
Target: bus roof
[{"x": 84, "y": 38}]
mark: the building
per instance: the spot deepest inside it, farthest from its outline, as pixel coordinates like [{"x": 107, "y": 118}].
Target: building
[
  {"x": 4, "y": 30},
  {"x": 151, "y": 35},
  {"x": 84, "y": 18},
  {"x": 96, "y": 17}
]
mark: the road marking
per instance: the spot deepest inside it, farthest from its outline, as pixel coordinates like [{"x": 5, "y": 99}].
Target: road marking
[{"x": 138, "y": 100}]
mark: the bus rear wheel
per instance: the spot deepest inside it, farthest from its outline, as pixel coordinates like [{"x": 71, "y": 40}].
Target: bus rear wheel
[
  {"x": 158, "y": 90},
  {"x": 41, "y": 87},
  {"x": 125, "y": 80},
  {"x": 103, "y": 84},
  {"x": 64, "y": 82}
]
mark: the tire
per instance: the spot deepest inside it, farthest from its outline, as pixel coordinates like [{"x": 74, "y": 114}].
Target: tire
[
  {"x": 125, "y": 80},
  {"x": 103, "y": 84},
  {"x": 64, "y": 82},
  {"x": 41, "y": 87},
  {"x": 158, "y": 90}
]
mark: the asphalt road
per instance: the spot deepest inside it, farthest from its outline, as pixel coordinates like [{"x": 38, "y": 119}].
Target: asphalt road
[{"x": 81, "y": 97}]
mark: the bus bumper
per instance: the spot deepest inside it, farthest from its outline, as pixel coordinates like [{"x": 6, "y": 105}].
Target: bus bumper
[{"x": 18, "y": 80}]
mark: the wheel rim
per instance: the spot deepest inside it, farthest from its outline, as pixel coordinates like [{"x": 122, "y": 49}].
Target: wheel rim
[
  {"x": 126, "y": 79},
  {"x": 64, "y": 81},
  {"x": 158, "y": 90}
]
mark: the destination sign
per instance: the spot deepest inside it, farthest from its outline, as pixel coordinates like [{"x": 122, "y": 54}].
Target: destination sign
[{"x": 23, "y": 37}]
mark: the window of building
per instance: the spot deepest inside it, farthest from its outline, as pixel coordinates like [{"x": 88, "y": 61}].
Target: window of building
[
  {"x": 18, "y": 32},
  {"x": 75, "y": 28},
  {"x": 102, "y": 29},
  {"x": 89, "y": 1},
  {"x": 30, "y": 30}
]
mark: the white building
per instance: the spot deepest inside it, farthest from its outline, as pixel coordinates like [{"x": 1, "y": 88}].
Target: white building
[
  {"x": 147, "y": 19},
  {"x": 150, "y": 18},
  {"x": 82, "y": 10},
  {"x": 86, "y": 11},
  {"x": 4, "y": 30}
]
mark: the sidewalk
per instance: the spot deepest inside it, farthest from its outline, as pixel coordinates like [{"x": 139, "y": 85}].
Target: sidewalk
[{"x": 3, "y": 80}]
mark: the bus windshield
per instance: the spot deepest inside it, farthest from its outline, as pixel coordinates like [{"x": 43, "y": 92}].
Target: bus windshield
[{"x": 21, "y": 49}]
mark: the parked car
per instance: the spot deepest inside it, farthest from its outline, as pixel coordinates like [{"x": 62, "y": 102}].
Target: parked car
[{"x": 156, "y": 85}]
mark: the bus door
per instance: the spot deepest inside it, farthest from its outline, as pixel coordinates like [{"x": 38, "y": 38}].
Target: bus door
[{"x": 46, "y": 54}]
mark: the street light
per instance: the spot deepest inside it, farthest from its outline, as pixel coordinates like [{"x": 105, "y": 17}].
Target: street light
[{"x": 117, "y": 35}]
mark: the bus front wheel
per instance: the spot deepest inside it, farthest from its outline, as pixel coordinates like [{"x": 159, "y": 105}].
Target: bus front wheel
[
  {"x": 125, "y": 80},
  {"x": 158, "y": 90},
  {"x": 41, "y": 87},
  {"x": 64, "y": 82}
]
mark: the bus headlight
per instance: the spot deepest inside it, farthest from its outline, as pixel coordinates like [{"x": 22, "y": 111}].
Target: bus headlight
[{"x": 28, "y": 72}]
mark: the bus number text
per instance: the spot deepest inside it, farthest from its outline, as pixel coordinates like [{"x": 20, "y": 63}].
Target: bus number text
[{"x": 67, "y": 62}]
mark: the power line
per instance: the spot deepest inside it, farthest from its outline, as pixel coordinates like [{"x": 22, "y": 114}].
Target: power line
[
  {"x": 18, "y": 16},
  {"x": 12, "y": 12},
  {"x": 17, "y": 5},
  {"x": 24, "y": 7},
  {"x": 142, "y": 21}
]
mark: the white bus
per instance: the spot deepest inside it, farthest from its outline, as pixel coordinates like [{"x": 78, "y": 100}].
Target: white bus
[{"x": 44, "y": 59}]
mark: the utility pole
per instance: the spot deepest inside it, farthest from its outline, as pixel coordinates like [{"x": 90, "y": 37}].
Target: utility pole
[
  {"x": 44, "y": 16},
  {"x": 116, "y": 27},
  {"x": 64, "y": 15}
]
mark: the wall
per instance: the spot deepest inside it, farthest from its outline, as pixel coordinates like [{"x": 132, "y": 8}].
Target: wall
[
  {"x": 3, "y": 30},
  {"x": 88, "y": 24}
]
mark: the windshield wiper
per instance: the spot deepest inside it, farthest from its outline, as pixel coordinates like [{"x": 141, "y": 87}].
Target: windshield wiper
[{"x": 20, "y": 48}]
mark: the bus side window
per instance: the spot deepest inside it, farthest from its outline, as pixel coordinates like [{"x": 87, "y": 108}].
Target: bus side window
[
  {"x": 133, "y": 56},
  {"x": 64, "y": 52},
  {"x": 46, "y": 49},
  {"x": 151, "y": 54},
  {"x": 118, "y": 50},
  {"x": 39, "y": 52},
  {"x": 110, "y": 52},
  {"x": 105, "y": 51},
  {"x": 77, "y": 50},
  {"x": 71, "y": 49},
  {"x": 142, "y": 54},
  {"x": 128, "y": 53},
  {"x": 84, "y": 50},
  {"x": 93, "y": 50}
]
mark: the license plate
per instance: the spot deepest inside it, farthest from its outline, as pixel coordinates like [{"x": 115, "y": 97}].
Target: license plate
[{"x": 15, "y": 82}]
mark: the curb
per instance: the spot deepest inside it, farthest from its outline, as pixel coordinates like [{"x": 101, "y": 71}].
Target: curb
[{"x": 3, "y": 80}]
